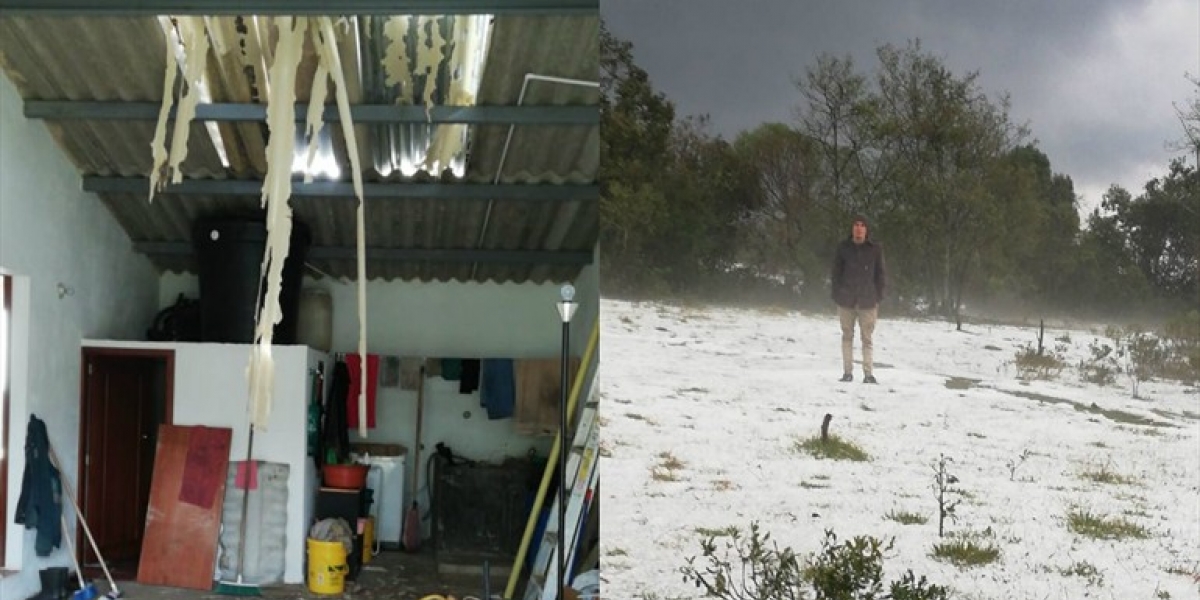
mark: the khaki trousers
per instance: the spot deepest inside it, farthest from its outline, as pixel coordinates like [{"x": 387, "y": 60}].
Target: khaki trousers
[{"x": 866, "y": 323}]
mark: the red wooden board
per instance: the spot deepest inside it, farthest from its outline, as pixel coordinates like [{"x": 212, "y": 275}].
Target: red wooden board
[{"x": 180, "y": 545}]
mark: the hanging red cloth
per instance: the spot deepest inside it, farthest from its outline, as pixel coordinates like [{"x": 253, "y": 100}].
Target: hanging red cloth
[{"x": 353, "y": 363}]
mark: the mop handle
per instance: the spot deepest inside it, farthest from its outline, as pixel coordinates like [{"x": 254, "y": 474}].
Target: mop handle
[
  {"x": 71, "y": 547},
  {"x": 71, "y": 496}
]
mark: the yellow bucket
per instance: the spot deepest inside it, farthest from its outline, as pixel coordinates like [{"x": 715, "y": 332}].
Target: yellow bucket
[
  {"x": 366, "y": 528},
  {"x": 326, "y": 567}
]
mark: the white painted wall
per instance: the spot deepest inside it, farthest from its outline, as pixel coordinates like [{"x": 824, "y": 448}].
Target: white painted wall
[
  {"x": 211, "y": 390},
  {"x": 52, "y": 232},
  {"x": 446, "y": 320}
]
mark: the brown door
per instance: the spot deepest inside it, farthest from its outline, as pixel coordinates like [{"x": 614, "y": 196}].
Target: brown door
[{"x": 126, "y": 396}]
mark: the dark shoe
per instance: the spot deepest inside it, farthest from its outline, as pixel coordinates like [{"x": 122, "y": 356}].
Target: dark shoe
[
  {"x": 869, "y": 379},
  {"x": 54, "y": 584},
  {"x": 847, "y": 377}
]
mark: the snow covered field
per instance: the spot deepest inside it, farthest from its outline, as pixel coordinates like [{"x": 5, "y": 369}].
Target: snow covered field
[{"x": 702, "y": 409}]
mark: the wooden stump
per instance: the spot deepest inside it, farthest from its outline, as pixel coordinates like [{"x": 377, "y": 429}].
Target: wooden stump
[{"x": 825, "y": 427}]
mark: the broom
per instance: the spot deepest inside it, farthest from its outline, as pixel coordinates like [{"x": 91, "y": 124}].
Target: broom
[{"x": 240, "y": 587}]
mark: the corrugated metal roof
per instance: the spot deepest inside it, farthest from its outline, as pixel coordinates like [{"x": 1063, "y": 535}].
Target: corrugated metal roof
[{"x": 124, "y": 59}]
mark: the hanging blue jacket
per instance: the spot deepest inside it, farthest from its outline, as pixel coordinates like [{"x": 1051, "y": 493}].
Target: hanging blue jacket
[{"x": 40, "y": 504}]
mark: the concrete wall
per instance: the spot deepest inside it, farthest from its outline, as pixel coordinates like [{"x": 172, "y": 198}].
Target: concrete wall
[
  {"x": 211, "y": 389},
  {"x": 446, "y": 320},
  {"x": 50, "y": 233}
]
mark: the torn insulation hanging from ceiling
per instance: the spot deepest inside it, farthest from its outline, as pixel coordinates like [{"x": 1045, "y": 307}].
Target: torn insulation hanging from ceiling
[
  {"x": 195, "y": 43},
  {"x": 187, "y": 50},
  {"x": 158, "y": 147},
  {"x": 314, "y": 122},
  {"x": 327, "y": 47},
  {"x": 277, "y": 189}
]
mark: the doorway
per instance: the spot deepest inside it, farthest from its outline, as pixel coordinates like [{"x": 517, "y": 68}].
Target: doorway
[{"x": 127, "y": 394}]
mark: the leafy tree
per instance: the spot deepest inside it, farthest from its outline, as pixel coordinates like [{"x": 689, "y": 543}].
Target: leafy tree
[
  {"x": 945, "y": 136},
  {"x": 635, "y": 142},
  {"x": 782, "y": 218}
]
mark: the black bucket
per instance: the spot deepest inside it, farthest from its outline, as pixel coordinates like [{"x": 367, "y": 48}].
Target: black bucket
[{"x": 229, "y": 254}]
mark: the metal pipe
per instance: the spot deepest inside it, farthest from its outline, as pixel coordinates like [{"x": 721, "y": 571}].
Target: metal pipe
[{"x": 487, "y": 216}]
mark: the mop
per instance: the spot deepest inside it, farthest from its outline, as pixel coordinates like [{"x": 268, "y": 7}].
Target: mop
[{"x": 87, "y": 591}]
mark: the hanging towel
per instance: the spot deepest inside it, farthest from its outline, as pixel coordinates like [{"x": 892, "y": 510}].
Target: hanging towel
[
  {"x": 353, "y": 362},
  {"x": 497, "y": 391},
  {"x": 469, "y": 382},
  {"x": 452, "y": 369},
  {"x": 539, "y": 394},
  {"x": 410, "y": 372},
  {"x": 433, "y": 367}
]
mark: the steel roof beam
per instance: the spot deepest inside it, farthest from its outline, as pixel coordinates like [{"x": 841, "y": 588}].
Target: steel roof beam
[
  {"x": 461, "y": 256},
  {"x": 112, "y": 8},
  {"x": 64, "y": 110},
  {"x": 337, "y": 189}
]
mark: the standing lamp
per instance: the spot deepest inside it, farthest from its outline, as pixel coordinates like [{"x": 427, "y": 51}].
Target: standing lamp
[{"x": 566, "y": 310}]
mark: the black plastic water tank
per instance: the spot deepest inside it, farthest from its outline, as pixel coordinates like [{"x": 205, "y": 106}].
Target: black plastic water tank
[{"x": 229, "y": 255}]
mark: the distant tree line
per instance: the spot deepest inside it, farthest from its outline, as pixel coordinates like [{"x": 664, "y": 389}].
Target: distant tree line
[{"x": 969, "y": 210}]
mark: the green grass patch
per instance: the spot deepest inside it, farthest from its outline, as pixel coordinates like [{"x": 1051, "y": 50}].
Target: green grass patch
[
  {"x": 907, "y": 518},
  {"x": 1084, "y": 570},
  {"x": 708, "y": 532},
  {"x": 1105, "y": 475},
  {"x": 669, "y": 461},
  {"x": 834, "y": 448},
  {"x": 1100, "y": 527},
  {"x": 967, "y": 551}
]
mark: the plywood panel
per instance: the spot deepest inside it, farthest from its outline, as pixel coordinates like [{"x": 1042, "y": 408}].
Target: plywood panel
[{"x": 186, "y": 497}]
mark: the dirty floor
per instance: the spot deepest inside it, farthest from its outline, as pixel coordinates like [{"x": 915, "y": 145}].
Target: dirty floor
[{"x": 392, "y": 575}]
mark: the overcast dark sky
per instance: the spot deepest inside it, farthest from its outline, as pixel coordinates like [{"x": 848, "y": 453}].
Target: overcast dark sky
[{"x": 1094, "y": 79}]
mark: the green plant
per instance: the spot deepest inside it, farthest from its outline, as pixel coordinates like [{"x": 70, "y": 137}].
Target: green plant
[
  {"x": 944, "y": 491},
  {"x": 1104, "y": 474},
  {"x": 852, "y": 569},
  {"x": 759, "y": 570},
  {"x": 1085, "y": 523},
  {"x": 967, "y": 550},
  {"x": 834, "y": 448},
  {"x": 1032, "y": 363},
  {"x": 907, "y": 518},
  {"x": 1102, "y": 368},
  {"x": 1182, "y": 337},
  {"x": 1140, "y": 354},
  {"x": 1085, "y": 570},
  {"x": 1015, "y": 463}
]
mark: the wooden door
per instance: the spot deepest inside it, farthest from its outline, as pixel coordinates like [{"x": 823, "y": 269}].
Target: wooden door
[{"x": 124, "y": 401}]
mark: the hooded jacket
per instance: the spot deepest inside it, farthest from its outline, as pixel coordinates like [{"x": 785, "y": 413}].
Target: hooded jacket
[
  {"x": 40, "y": 504},
  {"x": 858, "y": 276}
]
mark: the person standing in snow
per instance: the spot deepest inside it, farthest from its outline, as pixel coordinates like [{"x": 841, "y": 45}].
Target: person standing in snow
[{"x": 858, "y": 282}]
